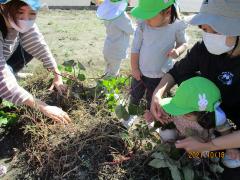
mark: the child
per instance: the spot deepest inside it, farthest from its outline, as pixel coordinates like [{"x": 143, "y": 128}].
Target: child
[
  {"x": 196, "y": 108},
  {"x": 158, "y": 39},
  {"x": 119, "y": 27}
]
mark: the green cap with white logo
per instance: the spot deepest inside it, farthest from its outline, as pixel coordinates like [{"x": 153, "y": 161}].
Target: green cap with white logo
[{"x": 195, "y": 94}]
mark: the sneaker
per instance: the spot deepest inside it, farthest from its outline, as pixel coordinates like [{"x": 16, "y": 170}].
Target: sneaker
[
  {"x": 128, "y": 123},
  {"x": 168, "y": 134},
  {"x": 3, "y": 170},
  {"x": 23, "y": 75},
  {"x": 230, "y": 163}
]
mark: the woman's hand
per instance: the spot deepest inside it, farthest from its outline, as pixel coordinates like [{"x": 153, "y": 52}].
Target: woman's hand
[
  {"x": 158, "y": 111},
  {"x": 58, "y": 84},
  {"x": 136, "y": 73},
  {"x": 53, "y": 112},
  {"x": 191, "y": 144}
]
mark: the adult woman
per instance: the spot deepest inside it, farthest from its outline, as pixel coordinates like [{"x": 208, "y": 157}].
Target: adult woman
[{"x": 20, "y": 41}]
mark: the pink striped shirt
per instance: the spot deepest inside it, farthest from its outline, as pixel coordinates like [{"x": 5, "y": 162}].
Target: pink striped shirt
[{"x": 33, "y": 43}]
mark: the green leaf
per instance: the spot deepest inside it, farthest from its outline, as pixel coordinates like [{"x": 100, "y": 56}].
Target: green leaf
[
  {"x": 175, "y": 153},
  {"x": 81, "y": 77},
  {"x": 216, "y": 168},
  {"x": 106, "y": 84},
  {"x": 164, "y": 148},
  {"x": 158, "y": 155},
  {"x": 68, "y": 68},
  {"x": 69, "y": 82},
  {"x": 121, "y": 112},
  {"x": 3, "y": 121},
  {"x": 7, "y": 104},
  {"x": 7, "y": 119},
  {"x": 60, "y": 67},
  {"x": 70, "y": 63},
  {"x": 188, "y": 173},
  {"x": 81, "y": 67},
  {"x": 149, "y": 146},
  {"x": 176, "y": 175},
  {"x": 158, "y": 163}
]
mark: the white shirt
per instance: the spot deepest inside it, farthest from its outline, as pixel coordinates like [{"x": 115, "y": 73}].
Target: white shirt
[
  {"x": 153, "y": 44},
  {"x": 118, "y": 34}
]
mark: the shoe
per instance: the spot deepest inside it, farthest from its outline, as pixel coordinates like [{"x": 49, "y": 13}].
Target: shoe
[
  {"x": 128, "y": 123},
  {"x": 3, "y": 170},
  {"x": 230, "y": 163},
  {"x": 168, "y": 134},
  {"x": 23, "y": 75}
]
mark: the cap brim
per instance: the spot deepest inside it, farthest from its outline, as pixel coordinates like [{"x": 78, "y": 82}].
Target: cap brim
[
  {"x": 141, "y": 14},
  {"x": 223, "y": 25},
  {"x": 170, "y": 108},
  {"x": 109, "y": 11},
  {"x": 35, "y": 5}
]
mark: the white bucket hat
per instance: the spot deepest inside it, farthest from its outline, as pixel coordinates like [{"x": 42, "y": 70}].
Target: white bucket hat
[
  {"x": 111, "y": 9},
  {"x": 222, "y": 15}
]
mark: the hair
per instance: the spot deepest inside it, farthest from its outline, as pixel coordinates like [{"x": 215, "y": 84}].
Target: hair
[
  {"x": 236, "y": 47},
  {"x": 205, "y": 119},
  {"x": 174, "y": 13},
  {"x": 9, "y": 10}
]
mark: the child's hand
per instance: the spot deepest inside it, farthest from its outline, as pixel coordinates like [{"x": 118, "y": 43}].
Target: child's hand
[
  {"x": 149, "y": 118},
  {"x": 233, "y": 154},
  {"x": 173, "y": 54},
  {"x": 136, "y": 73}
]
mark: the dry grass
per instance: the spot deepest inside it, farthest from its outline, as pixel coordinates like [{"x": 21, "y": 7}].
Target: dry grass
[{"x": 95, "y": 145}]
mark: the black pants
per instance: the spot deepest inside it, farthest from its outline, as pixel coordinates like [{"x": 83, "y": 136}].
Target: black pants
[
  {"x": 19, "y": 59},
  {"x": 231, "y": 173},
  {"x": 139, "y": 88}
]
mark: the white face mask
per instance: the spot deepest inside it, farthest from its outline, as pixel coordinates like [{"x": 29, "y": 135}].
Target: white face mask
[
  {"x": 216, "y": 43},
  {"x": 23, "y": 25}
]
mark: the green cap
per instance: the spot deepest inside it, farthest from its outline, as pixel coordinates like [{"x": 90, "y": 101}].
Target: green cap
[
  {"x": 195, "y": 94},
  {"x": 148, "y": 9}
]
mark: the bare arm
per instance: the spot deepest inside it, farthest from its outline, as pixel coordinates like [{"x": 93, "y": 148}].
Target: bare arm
[
  {"x": 182, "y": 48},
  {"x": 225, "y": 142},
  {"x": 229, "y": 141},
  {"x": 164, "y": 86},
  {"x": 136, "y": 73},
  {"x": 52, "y": 112},
  {"x": 135, "y": 61}
]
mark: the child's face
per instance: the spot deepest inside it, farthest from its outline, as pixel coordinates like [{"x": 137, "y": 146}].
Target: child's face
[{"x": 160, "y": 20}]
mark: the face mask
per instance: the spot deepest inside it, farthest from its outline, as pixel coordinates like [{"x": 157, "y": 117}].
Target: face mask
[
  {"x": 23, "y": 25},
  {"x": 215, "y": 43}
]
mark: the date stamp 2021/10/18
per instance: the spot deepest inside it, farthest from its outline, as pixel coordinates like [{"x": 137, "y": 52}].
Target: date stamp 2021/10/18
[{"x": 206, "y": 154}]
